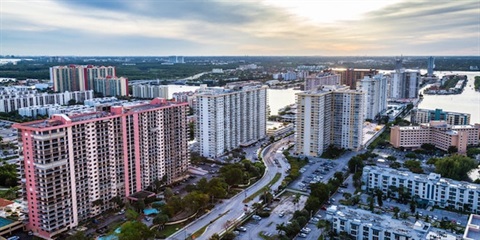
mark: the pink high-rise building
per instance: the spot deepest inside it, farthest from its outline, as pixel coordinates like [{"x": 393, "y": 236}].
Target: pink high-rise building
[{"x": 72, "y": 166}]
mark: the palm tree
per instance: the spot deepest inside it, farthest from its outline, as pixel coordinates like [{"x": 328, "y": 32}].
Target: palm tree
[
  {"x": 296, "y": 200},
  {"x": 281, "y": 228}
]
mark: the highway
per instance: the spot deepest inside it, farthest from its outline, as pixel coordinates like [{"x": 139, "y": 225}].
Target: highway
[{"x": 231, "y": 209}]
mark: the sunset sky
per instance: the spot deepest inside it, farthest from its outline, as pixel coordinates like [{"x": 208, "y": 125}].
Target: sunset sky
[{"x": 239, "y": 27}]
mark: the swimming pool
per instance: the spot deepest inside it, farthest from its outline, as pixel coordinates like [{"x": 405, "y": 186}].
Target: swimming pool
[
  {"x": 4, "y": 221},
  {"x": 110, "y": 237},
  {"x": 149, "y": 211}
]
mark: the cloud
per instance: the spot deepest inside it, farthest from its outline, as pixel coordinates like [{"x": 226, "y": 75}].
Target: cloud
[{"x": 221, "y": 27}]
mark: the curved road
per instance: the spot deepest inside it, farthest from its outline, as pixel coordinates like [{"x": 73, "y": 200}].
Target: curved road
[{"x": 233, "y": 208}]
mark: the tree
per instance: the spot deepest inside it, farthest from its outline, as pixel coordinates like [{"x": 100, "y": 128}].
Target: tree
[
  {"x": 281, "y": 228},
  {"x": 161, "y": 219},
  {"x": 117, "y": 202},
  {"x": 72, "y": 102},
  {"x": 355, "y": 164},
  {"x": 168, "y": 193},
  {"x": 296, "y": 200},
  {"x": 414, "y": 166},
  {"x": 452, "y": 149},
  {"x": 371, "y": 203},
  {"x": 455, "y": 167},
  {"x": 396, "y": 210},
  {"x": 131, "y": 215},
  {"x": 391, "y": 158},
  {"x": 428, "y": 147},
  {"x": 135, "y": 230},
  {"x": 379, "y": 194},
  {"x": 312, "y": 204},
  {"x": 395, "y": 165},
  {"x": 404, "y": 215},
  {"x": 80, "y": 235},
  {"x": 215, "y": 237},
  {"x": 139, "y": 205},
  {"x": 411, "y": 155},
  {"x": 412, "y": 206}
]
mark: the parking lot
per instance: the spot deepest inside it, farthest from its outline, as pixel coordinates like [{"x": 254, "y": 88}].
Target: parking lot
[{"x": 281, "y": 212}]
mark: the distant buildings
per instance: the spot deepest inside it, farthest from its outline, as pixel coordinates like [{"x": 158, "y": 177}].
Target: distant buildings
[
  {"x": 72, "y": 166},
  {"x": 184, "y": 97},
  {"x": 78, "y": 77},
  {"x": 330, "y": 116},
  {"x": 50, "y": 109},
  {"x": 438, "y": 133},
  {"x": 12, "y": 100},
  {"x": 286, "y": 76},
  {"x": 431, "y": 188},
  {"x": 176, "y": 59},
  {"x": 430, "y": 66},
  {"x": 314, "y": 81},
  {"x": 365, "y": 225},
  {"x": 426, "y": 115},
  {"x": 111, "y": 86},
  {"x": 149, "y": 91},
  {"x": 350, "y": 76},
  {"x": 375, "y": 89},
  {"x": 231, "y": 117}
]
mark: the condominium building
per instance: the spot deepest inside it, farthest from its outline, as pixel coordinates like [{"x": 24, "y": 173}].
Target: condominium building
[
  {"x": 365, "y": 225},
  {"x": 78, "y": 77},
  {"x": 350, "y": 76},
  {"x": 426, "y": 115},
  {"x": 13, "y": 100},
  {"x": 314, "y": 81},
  {"x": 229, "y": 118},
  {"x": 111, "y": 86},
  {"x": 149, "y": 91},
  {"x": 375, "y": 89},
  {"x": 72, "y": 166},
  {"x": 404, "y": 84},
  {"x": 438, "y": 133},
  {"x": 332, "y": 115},
  {"x": 432, "y": 187},
  {"x": 50, "y": 109}
]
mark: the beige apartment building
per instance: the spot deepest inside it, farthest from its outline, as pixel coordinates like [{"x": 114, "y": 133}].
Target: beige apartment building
[{"x": 439, "y": 133}]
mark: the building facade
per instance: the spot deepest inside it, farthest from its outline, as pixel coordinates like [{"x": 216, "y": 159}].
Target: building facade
[
  {"x": 404, "y": 84},
  {"x": 331, "y": 116},
  {"x": 12, "y": 101},
  {"x": 111, "y": 86},
  {"x": 426, "y": 115},
  {"x": 350, "y": 76},
  {"x": 375, "y": 89},
  {"x": 50, "y": 109},
  {"x": 438, "y": 133},
  {"x": 72, "y": 166},
  {"x": 432, "y": 188},
  {"x": 430, "y": 66},
  {"x": 149, "y": 91},
  {"x": 314, "y": 81},
  {"x": 229, "y": 118},
  {"x": 78, "y": 77}
]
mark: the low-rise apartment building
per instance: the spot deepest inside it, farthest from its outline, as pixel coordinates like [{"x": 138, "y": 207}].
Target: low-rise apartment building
[
  {"x": 432, "y": 188},
  {"x": 438, "y": 133},
  {"x": 365, "y": 225},
  {"x": 427, "y": 115}
]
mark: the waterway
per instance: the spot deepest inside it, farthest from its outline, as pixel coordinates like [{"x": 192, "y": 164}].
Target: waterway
[{"x": 466, "y": 102}]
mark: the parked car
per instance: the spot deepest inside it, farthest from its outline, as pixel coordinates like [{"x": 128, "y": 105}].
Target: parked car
[
  {"x": 305, "y": 230},
  {"x": 302, "y": 235},
  {"x": 242, "y": 229},
  {"x": 256, "y": 217}
]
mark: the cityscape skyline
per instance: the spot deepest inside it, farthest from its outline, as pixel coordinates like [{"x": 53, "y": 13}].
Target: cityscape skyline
[{"x": 151, "y": 28}]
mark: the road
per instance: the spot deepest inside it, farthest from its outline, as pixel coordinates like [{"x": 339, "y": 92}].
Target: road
[{"x": 232, "y": 209}]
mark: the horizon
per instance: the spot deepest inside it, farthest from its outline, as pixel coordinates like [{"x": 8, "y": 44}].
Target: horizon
[{"x": 242, "y": 28}]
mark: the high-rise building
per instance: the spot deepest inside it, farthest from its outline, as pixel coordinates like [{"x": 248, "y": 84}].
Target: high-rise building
[
  {"x": 375, "y": 89},
  {"x": 149, "y": 91},
  {"x": 350, "y": 76},
  {"x": 430, "y": 66},
  {"x": 72, "y": 166},
  {"x": 330, "y": 116},
  {"x": 404, "y": 84},
  {"x": 314, "y": 81},
  {"x": 111, "y": 86},
  {"x": 176, "y": 59},
  {"x": 427, "y": 115},
  {"x": 229, "y": 118},
  {"x": 78, "y": 77}
]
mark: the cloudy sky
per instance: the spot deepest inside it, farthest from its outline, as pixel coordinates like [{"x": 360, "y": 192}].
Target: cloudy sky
[{"x": 239, "y": 27}]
